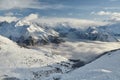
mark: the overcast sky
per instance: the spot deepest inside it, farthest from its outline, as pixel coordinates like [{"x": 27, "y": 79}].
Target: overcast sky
[{"x": 83, "y": 9}]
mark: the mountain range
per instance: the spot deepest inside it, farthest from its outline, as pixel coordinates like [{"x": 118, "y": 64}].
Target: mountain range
[{"x": 40, "y": 48}]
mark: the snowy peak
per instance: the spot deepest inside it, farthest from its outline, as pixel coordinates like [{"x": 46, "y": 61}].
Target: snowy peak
[
  {"x": 27, "y": 20},
  {"x": 25, "y": 29},
  {"x": 99, "y": 33},
  {"x": 34, "y": 30}
]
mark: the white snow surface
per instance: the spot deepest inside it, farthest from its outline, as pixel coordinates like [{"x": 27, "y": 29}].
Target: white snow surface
[
  {"x": 20, "y": 62},
  {"x": 105, "y": 68}
]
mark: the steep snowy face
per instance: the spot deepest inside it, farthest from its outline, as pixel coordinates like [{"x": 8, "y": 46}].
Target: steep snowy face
[
  {"x": 110, "y": 31},
  {"x": 113, "y": 30},
  {"x": 36, "y": 31},
  {"x": 24, "y": 29}
]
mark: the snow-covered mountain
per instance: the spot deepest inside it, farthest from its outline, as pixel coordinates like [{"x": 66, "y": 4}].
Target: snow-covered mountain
[
  {"x": 31, "y": 30},
  {"x": 114, "y": 30},
  {"x": 83, "y": 41},
  {"x": 22, "y": 31},
  {"x": 18, "y": 63},
  {"x": 59, "y": 39}
]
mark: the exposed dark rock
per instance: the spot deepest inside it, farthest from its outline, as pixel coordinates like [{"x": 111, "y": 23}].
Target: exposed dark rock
[
  {"x": 56, "y": 40},
  {"x": 10, "y": 78},
  {"x": 54, "y": 78},
  {"x": 30, "y": 41},
  {"x": 78, "y": 64},
  {"x": 46, "y": 73},
  {"x": 73, "y": 60}
]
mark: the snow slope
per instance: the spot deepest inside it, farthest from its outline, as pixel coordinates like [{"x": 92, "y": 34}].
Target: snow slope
[
  {"x": 39, "y": 62},
  {"x": 104, "y": 68},
  {"x": 20, "y": 62}
]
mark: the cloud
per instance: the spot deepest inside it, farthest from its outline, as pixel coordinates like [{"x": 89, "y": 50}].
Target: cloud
[
  {"x": 113, "y": 16},
  {"x": 11, "y": 4},
  {"x": 9, "y": 14},
  {"x": 113, "y": 0},
  {"x": 19, "y": 4},
  {"x": 106, "y": 13},
  {"x": 72, "y": 22},
  {"x": 8, "y": 18},
  {"x": 102, "y": 13},
  {"x": 53, "y": 21},
  {"x": 112, "y": 8}
]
